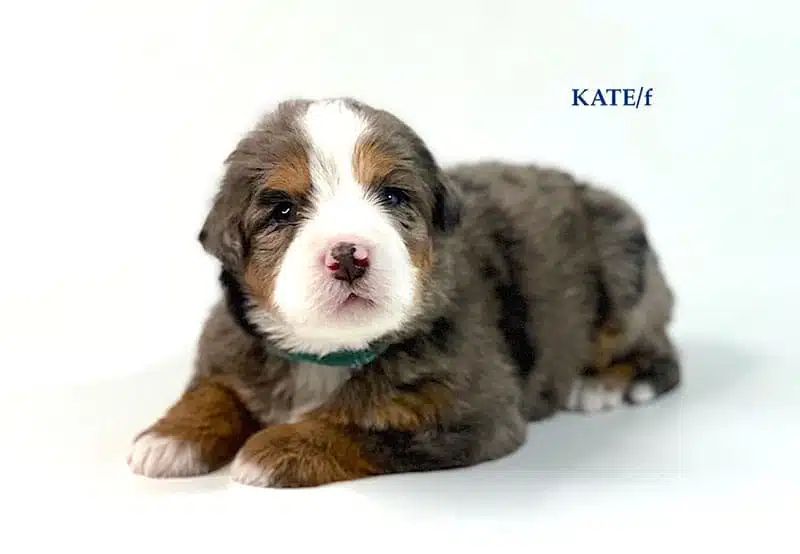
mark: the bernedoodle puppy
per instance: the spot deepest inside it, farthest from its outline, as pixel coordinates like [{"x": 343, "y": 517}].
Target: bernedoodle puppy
[{"x": 381, "y": 314}]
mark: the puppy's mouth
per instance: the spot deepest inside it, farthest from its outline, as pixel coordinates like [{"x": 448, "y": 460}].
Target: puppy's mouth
[
  {"x": 345, "y": 301},
  {"x": 355, "y": 302}
]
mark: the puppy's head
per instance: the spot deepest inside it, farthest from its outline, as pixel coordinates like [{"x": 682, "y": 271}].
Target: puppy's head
[{"x": 325, "y": 223}]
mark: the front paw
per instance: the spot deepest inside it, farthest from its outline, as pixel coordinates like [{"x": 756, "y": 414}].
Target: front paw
[
  {"x": 305, "y": 454},
  {"x": 199, "y": 434},
  {"x": 160, "y": 456}
]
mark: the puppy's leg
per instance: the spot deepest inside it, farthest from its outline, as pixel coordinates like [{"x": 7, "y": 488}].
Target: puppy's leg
[
  {"x": 304, "y": 454},
  {"x": 201, "y": 432},
  {"x": 648, "y": 370},
  {"x": 372, "y": 430},
  {"x": 634, "y": 359},
  {"x": 315, "y": 452},
  {"x": 657, "y": 370}
]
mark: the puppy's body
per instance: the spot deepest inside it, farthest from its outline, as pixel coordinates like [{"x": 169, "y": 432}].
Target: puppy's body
[{"x": 526, "y": 292}]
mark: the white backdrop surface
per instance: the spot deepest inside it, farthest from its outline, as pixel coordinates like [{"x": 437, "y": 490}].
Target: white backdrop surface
[{"x": 114, "y": 120}]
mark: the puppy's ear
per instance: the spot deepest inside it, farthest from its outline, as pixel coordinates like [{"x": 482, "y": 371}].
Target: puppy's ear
[
  {"x": 448, "y": 204},
  {"x": 221, "y": 234}
]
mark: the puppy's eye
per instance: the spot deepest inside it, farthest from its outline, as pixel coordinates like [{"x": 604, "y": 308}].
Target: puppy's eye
[
  {"x": 283, "y": 212},
  {"x": 393, "y": 196}
]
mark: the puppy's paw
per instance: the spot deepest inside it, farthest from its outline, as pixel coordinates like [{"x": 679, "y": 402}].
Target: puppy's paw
[
  {"x": 641, "y": 392},
  {"x": 160, "y": 456},
  {"x": 638, "y": 382},
  {"x": 590, "y": 394},
  {"x": 305, "y": 454},
  {"x": 199, "y": 434},
  {"x": 248, "y": 469}
]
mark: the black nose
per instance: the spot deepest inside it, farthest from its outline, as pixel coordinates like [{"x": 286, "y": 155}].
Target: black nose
[{"x": 345, "y": 266}]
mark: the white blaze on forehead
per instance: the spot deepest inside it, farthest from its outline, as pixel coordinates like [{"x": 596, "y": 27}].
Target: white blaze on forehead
[
  {"x": 334, "y": 130},
  {"x": 340, "y": 205}
]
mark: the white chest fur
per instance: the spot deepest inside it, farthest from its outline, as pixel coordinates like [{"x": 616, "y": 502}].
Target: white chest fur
[{"x": 312, "y": 385}]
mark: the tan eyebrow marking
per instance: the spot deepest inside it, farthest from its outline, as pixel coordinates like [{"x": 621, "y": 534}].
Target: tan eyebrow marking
[
  {"x": 371, "y": 165},
  {"x": 293, "y": 175}
]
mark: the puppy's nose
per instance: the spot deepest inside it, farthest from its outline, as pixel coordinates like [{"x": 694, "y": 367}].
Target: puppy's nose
[{"x": 347, "y": 261}]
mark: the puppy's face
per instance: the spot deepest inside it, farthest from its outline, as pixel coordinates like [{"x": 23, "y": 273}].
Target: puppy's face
[{"x": 326, "y": 218}]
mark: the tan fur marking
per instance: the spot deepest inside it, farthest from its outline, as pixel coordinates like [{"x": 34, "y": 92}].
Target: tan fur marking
[
  {"x": 260, "y": 280},
  {"x": 605, "y": 345},
  {"x": 307, "y": 454},
  {"x": 371, "y": 165},
  {"x": 411, "y": 411},
  {"x": 292, "y": 175},
  {"x": 211, "y": 417},
  {"x": 614, "y": 375},
  {"x": 406, "y": 411},
  {"x": 422, "y": 256},
  {"x": 619, "y": 373}
]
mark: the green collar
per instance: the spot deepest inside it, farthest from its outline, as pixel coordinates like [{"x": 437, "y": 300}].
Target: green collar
[{"x": 344, "y": 358}]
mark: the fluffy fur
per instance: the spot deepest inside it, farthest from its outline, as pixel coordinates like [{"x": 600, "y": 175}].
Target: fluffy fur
[{"x": 497, "y": 295}]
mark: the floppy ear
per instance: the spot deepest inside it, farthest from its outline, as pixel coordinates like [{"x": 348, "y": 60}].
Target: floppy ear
[
  {"x": 221, "y": 234},
  {"x": 448, "y": 204}
]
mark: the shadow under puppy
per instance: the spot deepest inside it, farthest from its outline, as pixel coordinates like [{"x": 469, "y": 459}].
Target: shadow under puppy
[{"x": 382, "y": 315}]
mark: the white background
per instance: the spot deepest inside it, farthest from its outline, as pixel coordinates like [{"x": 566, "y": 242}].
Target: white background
[{"x": 115, "y": 118}]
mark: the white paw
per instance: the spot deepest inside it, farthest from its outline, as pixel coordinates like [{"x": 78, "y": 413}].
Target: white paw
[
  {"x": 246, "y": 472},
  {"x": 592, "y": 395},
  {"x": 154, "y": 455},
  {"x": 641, "y": 393}
]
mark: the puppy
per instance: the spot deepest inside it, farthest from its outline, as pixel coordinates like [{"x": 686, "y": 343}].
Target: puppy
[{"x": 383, "y": 315}]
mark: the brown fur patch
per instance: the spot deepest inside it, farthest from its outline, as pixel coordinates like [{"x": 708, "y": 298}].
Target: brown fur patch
[
  {"x": 423, "y": 256},
  {"x": 210, "y": 416},
  {"x": 259, "y": 276},
  {"x": 618, "y": 376},
  {"x": 622, "y": 372},
  {"x": 308, "y": 454},
  {"x": 293, "y": 174},
  {"x": 402, "y": 410},
  {"x": 605, "y": 346},
  {"x": 411, "y": 411},
  {"x": 371, "y": 165}
]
